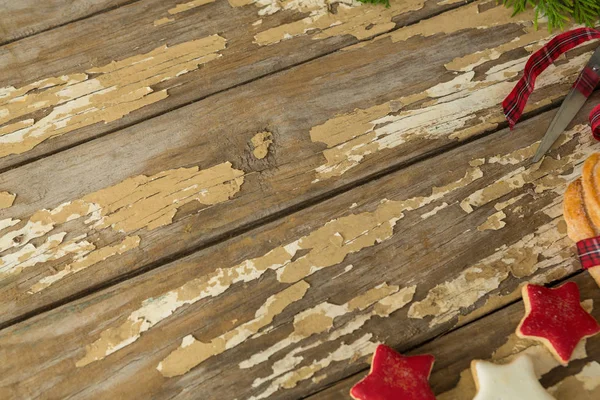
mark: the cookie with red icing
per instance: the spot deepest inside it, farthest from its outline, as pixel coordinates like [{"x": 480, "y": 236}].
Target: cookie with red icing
[
  {"x": 555, "y": 318},
  {"x": 395, "y": 377}
]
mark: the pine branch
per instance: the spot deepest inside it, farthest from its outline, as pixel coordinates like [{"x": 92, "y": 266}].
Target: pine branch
[
  {"x": 384, "y": 2},
  {"x": 559, "y": 12}
]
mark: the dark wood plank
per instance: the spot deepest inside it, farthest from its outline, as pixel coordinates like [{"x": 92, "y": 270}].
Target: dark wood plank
[
  {"x": 24, "y": 18},
  {"x": 289, "y": 308},
  {"x": 321, "y": 144},
  {"x": 493, "y": 338},
  {"x": 64, "y": 90}
]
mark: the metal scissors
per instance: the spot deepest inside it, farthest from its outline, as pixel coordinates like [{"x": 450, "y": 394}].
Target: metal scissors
[{"x": 569, "y": 108}]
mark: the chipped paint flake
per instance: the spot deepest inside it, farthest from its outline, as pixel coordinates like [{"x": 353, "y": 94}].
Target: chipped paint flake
[
  {"x": 547, "y": 248},
  {"x": 141, "y": 202},
  {"x": 260, "y": 144},
  {"x": 493, "y": 222},
  {"x": 362, "y": 347},
  {"x": 583, "y": 386},
  {"x": 327, "y": 246},
  {"x": 7, "y": 199},
  {"x": 544, "y": 176},
  {"x": 434, "y": 211},
  {"x": 193, "y": 352},
  {"x": 85, "y": 261},
  {"x": 320, "y": 319},
  {"x": 468, "y": 17},
  {"x": 457, "y": 109},
  {"x": 163, "y": 21},
  {"x": 284, "y": 373},
  {"x": 152, "y": 201},
  {"x": 78, "y": 100},
  {"x": 352, "y": 17},
  {"x": 544, "y": 248},
  {"x": 181, "y": 7}
]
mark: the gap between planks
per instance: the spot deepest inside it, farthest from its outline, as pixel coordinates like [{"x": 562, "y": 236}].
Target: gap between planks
[
  {"x": 245, "y": 228},
  {"x": 82, "y": 18},
  {"x": 455, "y": 328},
  {"x": 240, "y": 84}
]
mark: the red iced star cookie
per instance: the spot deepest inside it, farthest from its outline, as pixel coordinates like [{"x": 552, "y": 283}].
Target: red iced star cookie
[
  {"x": 395, "y": 377},
  {"x": 555, "y": 318}
]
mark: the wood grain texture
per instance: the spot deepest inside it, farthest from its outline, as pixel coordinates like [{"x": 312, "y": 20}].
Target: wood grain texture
[
  {"x": 216, "y": 134},
  {"x": 300, "y": 303},
  {"x": 24, "y": 18},
  {"x": 493, "y": 338},
  {"x": 63, "y": 95}
]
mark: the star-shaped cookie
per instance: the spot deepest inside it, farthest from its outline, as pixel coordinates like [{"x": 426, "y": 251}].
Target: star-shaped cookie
[
  {"x": 555, "y": 318},
  {"x": 512, "y": 381},
  {"x": 395, "y": 377}
]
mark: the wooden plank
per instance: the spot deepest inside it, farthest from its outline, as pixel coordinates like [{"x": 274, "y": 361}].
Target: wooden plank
[
  {"x": 493, "y": 338},
  {"x": 320, "y": 145},
  {"x": 75, "y": 93},
  {"x": 287, "y": 309},
  {"x": 24, "y": 18}
]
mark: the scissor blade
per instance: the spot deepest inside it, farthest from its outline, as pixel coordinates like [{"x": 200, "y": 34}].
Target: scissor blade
[{"x": 569, "y": 109}]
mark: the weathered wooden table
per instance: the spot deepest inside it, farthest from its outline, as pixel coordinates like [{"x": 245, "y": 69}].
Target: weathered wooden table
[{"x": 239, "y": 199}]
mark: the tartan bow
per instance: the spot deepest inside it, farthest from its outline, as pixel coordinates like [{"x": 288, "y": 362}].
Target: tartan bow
[{"x": 515, "y": 102}]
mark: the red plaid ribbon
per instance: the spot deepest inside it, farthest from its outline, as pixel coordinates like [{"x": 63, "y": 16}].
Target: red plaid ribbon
[
  {"x": 587, "y": 81},
  {"x": 595, "y": 122},
  {"x": 589, "y": 252},
  {"x": 515, "y": 102}
]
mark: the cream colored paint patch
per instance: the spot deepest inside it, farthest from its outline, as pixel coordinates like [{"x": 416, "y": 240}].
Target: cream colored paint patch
[
  {"x": 162, "y": 21},
  {"x": 152, "y": 201},
  {"x": 521, "y": 259},
  {"x": 103, "y": 94},
  {"x": 51, "y": 249},
  {"x": 179, "y": 8},
  {"x": 133, "y": 204},
  {"x": 495, "y": 301},
  {"x": 457, "y": 109},
  {"x": 327, "y": 246},
  {"x": 284, "y": 373},
  {"x": 547, "y": 175},
  {"x": 321, "y": 318},
  {"x": 7, "y": 199},
  {"x": 260, "y": 144},
  {"x": 193, "y": 352},
  {"x": 82, "y": 262},
  {"x": 583, "y": 386},
  {"x": 351, "y": 18},
  {"x": 494, "y": 222},
  {"x": 360, "y": 348},
  {"x": 463, "y": 18},
  {"x": 547, "y": 247}
]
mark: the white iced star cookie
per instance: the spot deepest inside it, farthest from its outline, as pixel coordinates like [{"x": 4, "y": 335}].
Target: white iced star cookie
[{"x": 513, "y": 381}]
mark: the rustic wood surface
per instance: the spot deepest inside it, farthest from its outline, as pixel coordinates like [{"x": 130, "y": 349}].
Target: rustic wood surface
[
  {"x": 271, "y": 194},
  {"x": 342, "y": 126},
  {"x": 210, "y": 45},
  {"x": 409, "y": 237},
  {"x": 493, "y": 338},
  {"x": 24, "y": 18}
]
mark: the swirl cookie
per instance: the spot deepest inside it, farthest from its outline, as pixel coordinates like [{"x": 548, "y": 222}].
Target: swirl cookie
[{"x": 581, "y": 210}]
